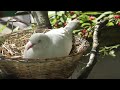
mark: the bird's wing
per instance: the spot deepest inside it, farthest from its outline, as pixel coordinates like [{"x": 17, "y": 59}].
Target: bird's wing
[{"x": 61, "y": 44}]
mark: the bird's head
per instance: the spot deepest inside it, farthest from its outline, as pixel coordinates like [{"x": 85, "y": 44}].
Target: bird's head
[
  {"x": 72, "y": 25},
  {"x": 37, "y": 40}
]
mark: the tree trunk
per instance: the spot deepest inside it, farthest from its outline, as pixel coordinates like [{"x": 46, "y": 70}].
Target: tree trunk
[{"x": 41, "y": 19}]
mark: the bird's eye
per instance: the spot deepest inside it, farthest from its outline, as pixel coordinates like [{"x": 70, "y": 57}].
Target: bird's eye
[{"x": 39, "y": 41}]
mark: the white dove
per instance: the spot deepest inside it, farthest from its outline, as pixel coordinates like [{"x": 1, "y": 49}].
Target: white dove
[{"x": 54, "y": 43}]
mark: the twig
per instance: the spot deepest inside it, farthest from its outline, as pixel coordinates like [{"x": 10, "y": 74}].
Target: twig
[
  {"x": 7, "y": 49},
  {"x": 85, "y": 71},
  {"x": 103, "y": 15},
  {"x": 95, "y": 47}
]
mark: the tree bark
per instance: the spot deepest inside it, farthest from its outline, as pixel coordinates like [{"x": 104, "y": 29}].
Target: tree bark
[{"x": 41, "y": 19}]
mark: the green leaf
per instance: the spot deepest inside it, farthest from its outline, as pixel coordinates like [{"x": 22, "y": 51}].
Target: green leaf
[
  {"x": 58, "y": 17},
  {"x": 118, "y": 20},
  {"x": 89, "y": 29},
  {"x": 62, "y": 20},
  {"x": 68, "y": 19},
  {"x": 93, "y": 24},
  {"x": 110, "y": 24},
  {"x": 84, "y": 17},
  {"x": 80, "y": 34},
  {"x": 81, "y": 21},
  {"x": 118, "y": 12},
  {"x": 111, "y": 16},
  {"x": 77, "y": 12},
  {"x": 90, "y": 34},
  {"x": 60, "y": 13},
  {"x": 112, "y": 53},
  {"x": 76, "y": 31},
  {"x": 86, "y": 27},
  {"x": 74, "y": 16},
  {"x": 51, "y": 13},
  {"x": 106, "y": 53},
  {"x": 69, "y": 16},
  {"x": 85, "y": 24},
  {"x": 64, "y": 17},
  {"x": 114, "y": 47},
  {"x": 92, "y": 13},
  {"x": 54, "y": 21}
]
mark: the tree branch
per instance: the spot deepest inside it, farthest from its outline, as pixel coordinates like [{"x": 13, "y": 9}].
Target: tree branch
[
  {"x": 85, "y": 71},
  {"x": 95, "y": 47}
]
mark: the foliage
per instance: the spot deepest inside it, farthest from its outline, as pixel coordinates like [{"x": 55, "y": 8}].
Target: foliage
[
  {"x": 87, "y": 20},
  {"x": 110, "y": 50}
]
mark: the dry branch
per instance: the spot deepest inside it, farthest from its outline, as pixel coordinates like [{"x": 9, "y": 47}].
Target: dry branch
[
  {"x": 95, "y": 47},
  {"x": 85, "y": 71}
]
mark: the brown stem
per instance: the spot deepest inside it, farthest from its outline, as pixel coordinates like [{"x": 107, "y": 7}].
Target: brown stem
[
  {"x": 95, "y": 47},
  {"x": 85, "y": 71}
]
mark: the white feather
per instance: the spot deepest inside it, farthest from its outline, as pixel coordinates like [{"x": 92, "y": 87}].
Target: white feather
[{"x": 54, "y": 43}]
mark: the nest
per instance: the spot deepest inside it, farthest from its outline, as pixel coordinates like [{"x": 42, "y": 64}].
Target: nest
[{"x": 12, "y": 65}]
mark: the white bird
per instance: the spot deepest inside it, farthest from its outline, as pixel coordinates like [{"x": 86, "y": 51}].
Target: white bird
[{"x": 54, "y": 43}]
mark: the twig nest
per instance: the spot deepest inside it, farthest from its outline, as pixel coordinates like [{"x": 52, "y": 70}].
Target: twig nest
[{"x": 17, "y": 67}]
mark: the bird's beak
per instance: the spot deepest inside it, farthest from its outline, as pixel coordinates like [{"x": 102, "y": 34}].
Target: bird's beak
[{"x": 30, "y": 45}]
